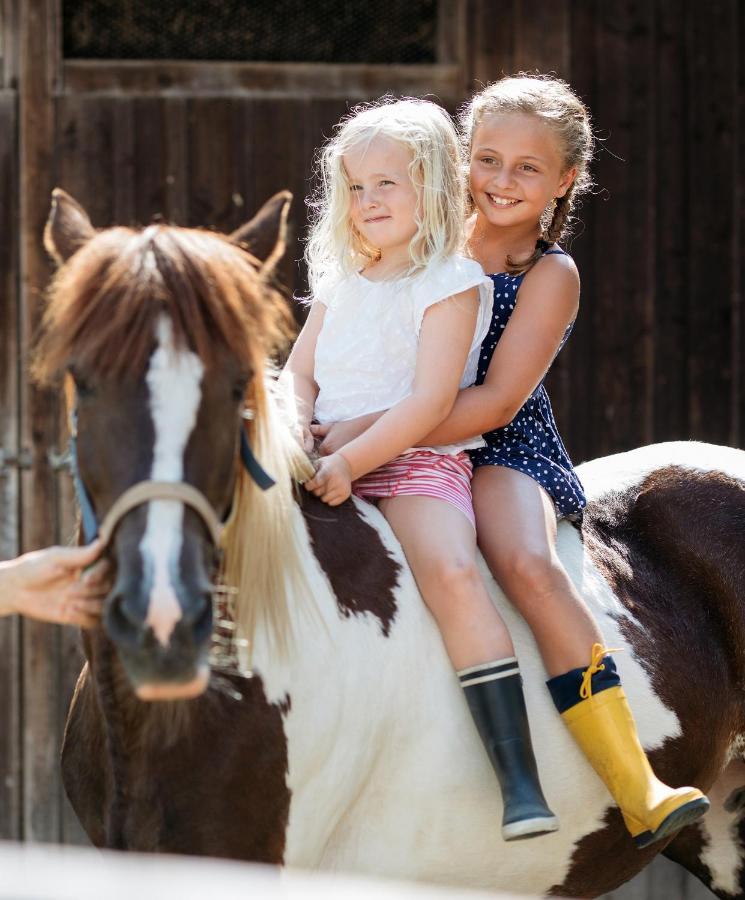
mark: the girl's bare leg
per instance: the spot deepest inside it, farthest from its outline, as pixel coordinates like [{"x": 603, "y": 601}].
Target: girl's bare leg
[
  {"x": 517, "y": 534},
  {"x": 440, "y": 546},
  {"x": 516, "y": 525}
]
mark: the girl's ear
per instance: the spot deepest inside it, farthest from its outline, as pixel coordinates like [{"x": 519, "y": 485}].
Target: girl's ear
[{"x": 567, "y": 180}]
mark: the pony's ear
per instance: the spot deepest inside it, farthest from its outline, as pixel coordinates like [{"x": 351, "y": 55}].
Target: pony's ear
[
  {"x": 68, "y": 227},
  {"x": 265, "y": 236}
]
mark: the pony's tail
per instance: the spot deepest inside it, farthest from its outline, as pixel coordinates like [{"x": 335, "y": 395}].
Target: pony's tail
[{"x": 265, "y": 541}]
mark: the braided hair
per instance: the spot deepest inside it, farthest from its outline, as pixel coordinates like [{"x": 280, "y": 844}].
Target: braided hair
[{"x": 555, "y": 103}]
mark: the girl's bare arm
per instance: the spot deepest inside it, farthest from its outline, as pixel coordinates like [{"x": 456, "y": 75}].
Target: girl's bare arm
[
  {"x": 547, "y": 305},
  {"x": 445, "y": 338},
  {"x": 299, "y": 369}
]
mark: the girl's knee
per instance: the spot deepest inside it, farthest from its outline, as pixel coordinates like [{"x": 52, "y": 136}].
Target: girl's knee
[
  {"x": 451, "y": 586},
  {"x": 456, "y": 575},
  {"x": 534, "y": 570}
]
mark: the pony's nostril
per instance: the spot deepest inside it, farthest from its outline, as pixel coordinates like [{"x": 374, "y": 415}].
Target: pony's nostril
[{"x": 122, "y": 625}]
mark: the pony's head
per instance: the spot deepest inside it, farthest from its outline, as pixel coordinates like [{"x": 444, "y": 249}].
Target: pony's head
[{"x": 162, "y": 336}]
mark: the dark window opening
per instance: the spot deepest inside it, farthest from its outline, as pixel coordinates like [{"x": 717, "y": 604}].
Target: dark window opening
[{"x": 322, "y": 31}]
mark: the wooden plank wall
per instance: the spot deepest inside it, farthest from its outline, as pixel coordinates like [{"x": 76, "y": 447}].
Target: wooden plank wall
[{"x": 657, "y": 353}]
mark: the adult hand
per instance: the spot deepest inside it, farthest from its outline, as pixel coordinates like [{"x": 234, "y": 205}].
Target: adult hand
[
  {"x": 49, "y": 585},
  {"x": 332, "y": 482}
]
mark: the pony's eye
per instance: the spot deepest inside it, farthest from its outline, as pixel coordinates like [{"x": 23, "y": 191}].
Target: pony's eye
[
  {"x": 83, "y": 385},
  {"x": 239, "y": 389}
]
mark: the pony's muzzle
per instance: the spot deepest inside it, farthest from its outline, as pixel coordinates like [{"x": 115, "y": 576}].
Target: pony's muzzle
[{"x": 162, "y": 665}]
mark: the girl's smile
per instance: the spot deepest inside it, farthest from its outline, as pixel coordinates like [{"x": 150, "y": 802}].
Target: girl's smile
[{"x": 502, "y": 201}]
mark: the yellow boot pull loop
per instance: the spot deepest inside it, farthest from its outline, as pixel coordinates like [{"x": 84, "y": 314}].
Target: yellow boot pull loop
[{"x": 598, "y": 652}]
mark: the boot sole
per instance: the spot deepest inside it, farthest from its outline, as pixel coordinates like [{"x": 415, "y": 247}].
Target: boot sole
[
  {"x": 678, "y": 818},
  {"x": 529, "y": 828}
]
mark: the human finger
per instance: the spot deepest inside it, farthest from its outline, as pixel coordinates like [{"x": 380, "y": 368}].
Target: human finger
[
  {"x": 83, "y": 611},
  {"x": 89, "y": 606},
  {"x": 72, "y": 558},
  {"x": 317, "y": 487},
  {"x": 84, "y": 619},
  {"x": 320, "y": 430},
  {"x": 89, "y": 592},
  {"x": 97, "y": 574},
  {"x": 75, "y": 603}
]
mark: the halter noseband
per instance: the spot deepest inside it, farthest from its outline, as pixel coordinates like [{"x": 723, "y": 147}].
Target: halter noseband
[{"x": 145, "y": 491}]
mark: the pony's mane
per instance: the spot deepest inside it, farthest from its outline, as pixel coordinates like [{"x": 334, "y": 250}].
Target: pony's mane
[
  {"x": 265, "y": 542},
  {"x": 101, "y": 319}
]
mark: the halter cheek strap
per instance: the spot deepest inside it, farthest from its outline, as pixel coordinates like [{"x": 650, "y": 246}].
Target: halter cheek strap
[
  {"x": 88, "y": 519},
  {"x": 253, "y": 466},
  {"x": 145, "y": 491}
]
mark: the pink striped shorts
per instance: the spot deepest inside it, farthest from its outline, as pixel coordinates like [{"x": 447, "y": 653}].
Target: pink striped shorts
[{"x": 422, "y": 474}]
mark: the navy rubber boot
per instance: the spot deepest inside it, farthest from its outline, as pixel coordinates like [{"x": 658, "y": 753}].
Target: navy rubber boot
[{"x": 495, "y": 697}]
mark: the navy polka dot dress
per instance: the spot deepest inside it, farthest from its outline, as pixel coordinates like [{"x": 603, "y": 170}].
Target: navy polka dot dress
[{"x": 531, "y": 442}]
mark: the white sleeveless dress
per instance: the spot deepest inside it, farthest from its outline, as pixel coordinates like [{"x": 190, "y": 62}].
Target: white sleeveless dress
[{"x": 365, "y": 362}]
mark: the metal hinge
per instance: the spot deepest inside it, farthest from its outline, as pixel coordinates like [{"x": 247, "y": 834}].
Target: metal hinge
[
  {"x": 24, "y": 459},
  {"x": 59, "y": 460}
]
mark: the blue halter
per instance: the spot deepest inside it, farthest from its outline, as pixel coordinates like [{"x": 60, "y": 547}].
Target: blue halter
[{"x": 88, "y": 518}]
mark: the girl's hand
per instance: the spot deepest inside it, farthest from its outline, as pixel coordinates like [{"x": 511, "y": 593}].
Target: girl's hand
[
  {"x": 49, "y": 585},
  {"x": 332, "y": 482},
  {"x": 304, "y": 436},
  {"x": 334, "y": 435}
]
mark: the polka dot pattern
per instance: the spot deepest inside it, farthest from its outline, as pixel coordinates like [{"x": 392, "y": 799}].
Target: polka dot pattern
[{"x": 531, "y": 442}]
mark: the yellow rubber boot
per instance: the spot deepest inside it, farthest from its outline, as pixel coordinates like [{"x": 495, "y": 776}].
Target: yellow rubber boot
[{"x": 604, "y": 728}]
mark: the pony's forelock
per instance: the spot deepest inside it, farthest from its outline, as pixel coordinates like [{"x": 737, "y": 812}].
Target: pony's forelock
[{"x": 104, "y": 302}]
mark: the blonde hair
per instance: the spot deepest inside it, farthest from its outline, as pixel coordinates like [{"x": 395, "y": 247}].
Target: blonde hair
[
  {"x": 555, "y": 103},
  {"x": 264, "y": 541},
  {"x": 335, "y": 248}
]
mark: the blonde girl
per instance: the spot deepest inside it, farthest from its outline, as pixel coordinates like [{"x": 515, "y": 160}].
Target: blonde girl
[
  {"x": 528, "y": 143},
  {"x": 395, "y": 324}
]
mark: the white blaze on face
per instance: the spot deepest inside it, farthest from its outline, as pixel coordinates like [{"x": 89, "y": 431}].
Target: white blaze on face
[{"x": 173, "y": 378}]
